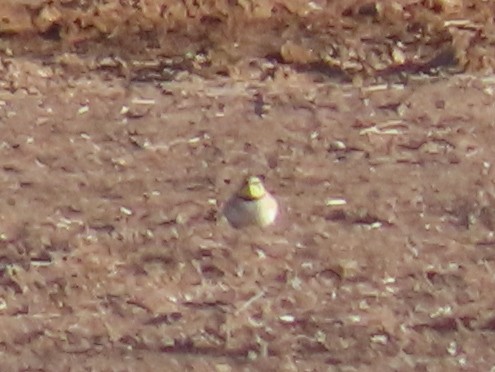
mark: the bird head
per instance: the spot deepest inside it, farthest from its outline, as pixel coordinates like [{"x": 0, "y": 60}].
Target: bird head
[{"x": 252, "y": 189}]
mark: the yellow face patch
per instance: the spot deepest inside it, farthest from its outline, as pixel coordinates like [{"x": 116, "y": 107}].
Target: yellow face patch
[{"x": 252, "y": 189}]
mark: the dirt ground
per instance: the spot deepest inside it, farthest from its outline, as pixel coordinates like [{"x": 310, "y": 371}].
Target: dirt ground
[{"x": 114, "y": 255}]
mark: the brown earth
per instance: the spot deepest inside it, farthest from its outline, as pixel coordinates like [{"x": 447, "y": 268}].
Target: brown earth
[
  {"x": 114, "y": 254},
  {"x": 354, "y": 38}
]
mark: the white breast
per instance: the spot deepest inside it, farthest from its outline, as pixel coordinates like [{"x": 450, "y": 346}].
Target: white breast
[{"x": 241, "y": 213}]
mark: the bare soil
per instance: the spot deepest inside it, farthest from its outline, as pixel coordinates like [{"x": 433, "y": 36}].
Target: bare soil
[{"x": 114, "y": 254}]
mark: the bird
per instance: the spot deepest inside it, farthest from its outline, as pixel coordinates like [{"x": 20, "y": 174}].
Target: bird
[{"x": 251, "y": 205}]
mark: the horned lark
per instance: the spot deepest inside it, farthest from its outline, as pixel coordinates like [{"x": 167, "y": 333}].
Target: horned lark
[{"x": 251, "y": 205}]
